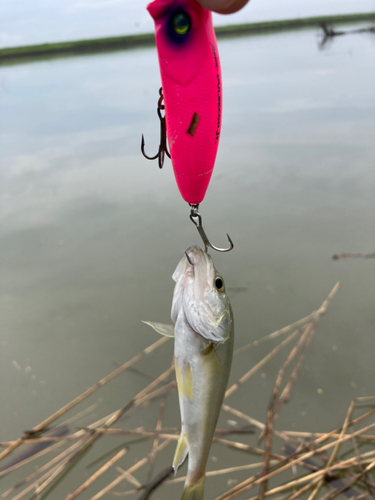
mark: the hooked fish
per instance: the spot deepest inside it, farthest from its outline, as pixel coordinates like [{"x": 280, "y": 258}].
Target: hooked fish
[
  {"x": 203, "y": 347},
  {"x": 191, "y": 81}
]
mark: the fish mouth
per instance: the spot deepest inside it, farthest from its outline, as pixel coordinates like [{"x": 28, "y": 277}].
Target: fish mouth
[
  {"x": 188, "y": 258},
  {"x": 195, "y": 296},
  {"x": 196, "y": 256},
  {"x": 200, "y": 265}
]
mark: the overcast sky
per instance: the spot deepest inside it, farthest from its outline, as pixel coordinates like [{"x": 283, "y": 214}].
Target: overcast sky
[{"x": 24, "y": 22}]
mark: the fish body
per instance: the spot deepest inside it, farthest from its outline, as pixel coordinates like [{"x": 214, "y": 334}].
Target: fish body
[
  {"x": 191, "y": 80},
  {"x": 203, "y": 348}
]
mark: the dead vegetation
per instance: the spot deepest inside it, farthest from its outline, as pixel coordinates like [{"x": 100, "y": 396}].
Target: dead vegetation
[{"x": 309, "y": 465}]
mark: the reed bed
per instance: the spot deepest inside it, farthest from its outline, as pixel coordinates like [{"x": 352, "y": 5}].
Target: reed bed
[{"x": 308, "y": 465}]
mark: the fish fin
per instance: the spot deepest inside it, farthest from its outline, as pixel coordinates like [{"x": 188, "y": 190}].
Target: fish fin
[
  {"x": 206, "y": 347},
  {"x": 194, "y": 491},
  {"x": 212, "y": 360},
  {"x": 166, "y": 330},
  {"x": 181, "y": 452},
  {"x": 184, "y": 380}
]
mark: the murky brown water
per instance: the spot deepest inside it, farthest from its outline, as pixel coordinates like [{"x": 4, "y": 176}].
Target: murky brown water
[{"x": 91, "y": 232}]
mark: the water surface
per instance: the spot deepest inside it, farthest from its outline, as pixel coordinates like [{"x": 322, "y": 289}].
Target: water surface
[{"x": 91, "y": 232}]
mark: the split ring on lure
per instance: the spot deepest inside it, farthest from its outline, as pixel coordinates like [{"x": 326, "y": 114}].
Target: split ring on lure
[{"x": 191, "y": 82}]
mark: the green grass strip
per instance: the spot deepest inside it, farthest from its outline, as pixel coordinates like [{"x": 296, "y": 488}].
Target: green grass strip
[{"x": 97, "y": 45}]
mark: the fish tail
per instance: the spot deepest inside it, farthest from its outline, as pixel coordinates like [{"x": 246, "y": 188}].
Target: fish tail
[{"x": 194, "y": 491}]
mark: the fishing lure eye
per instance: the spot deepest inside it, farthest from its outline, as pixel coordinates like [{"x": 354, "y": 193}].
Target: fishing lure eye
[
  {"x": 219, "y": 283},
  {"x": 179, "y": 24}
]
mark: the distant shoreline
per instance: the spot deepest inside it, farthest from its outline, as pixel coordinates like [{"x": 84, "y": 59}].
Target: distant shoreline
[{"x": 79, "y": 47}]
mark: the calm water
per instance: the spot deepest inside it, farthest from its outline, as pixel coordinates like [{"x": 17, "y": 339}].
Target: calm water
[{"x": 91, "y": 232}]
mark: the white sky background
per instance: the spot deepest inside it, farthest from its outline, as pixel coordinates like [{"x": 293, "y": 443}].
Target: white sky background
[{"x": 25, "y": 22}]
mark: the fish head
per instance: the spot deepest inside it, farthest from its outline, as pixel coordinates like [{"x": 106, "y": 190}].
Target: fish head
[{"x": 200, "y": 295}]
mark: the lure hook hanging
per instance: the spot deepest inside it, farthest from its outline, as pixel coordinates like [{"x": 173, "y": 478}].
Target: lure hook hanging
[
  {"x": 163, "y": 148},
  {"x": 196, "y": 218}
]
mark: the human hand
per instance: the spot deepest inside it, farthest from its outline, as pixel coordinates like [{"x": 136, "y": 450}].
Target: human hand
[{"x": 223, "y": 6}]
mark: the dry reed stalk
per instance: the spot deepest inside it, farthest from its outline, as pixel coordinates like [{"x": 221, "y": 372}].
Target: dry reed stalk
[
  {"x": 252, "y": 481},
  {"x": 130, "y": 478},
  {"x": 138, "y": 406},
  {"x": 120, "y": 432},
  {"x": 258, "y": 451},
  {"x": 282, "y": 434},
  {"x": 271, "y": 411},
  {"x": 164, "y": 433},
  {"x": 97, "y": 474},
  {"x": 159, "y": 424},
  {"x": 60, "y": 442},
  {"x": 35, "y": 484},
  {"x": 311, "y": 479},
  {"x": 47, "y": 478},
  {"x": 155, "y": 442},
  {"x": 309, "y": 332},
  {"x": 86, "y": 393},
  {"x": 244, "y": 417},
  {"x": 141, "y": 397},
  {"x": 285, "y": 395},
  {"x": 359, "y": 497},
  {"x": 259, "y": 365},
  {"x": 157, "y": 481},
  {"x": 124, "y": 493},
  {"x": 302, "y": 490},
  {"x": 322, "y": 309},
  {"x": 367, "y": 482},
  {"x": 296, "y": 494},
  {"x": 331, "y": 434},
  {"x": 79, "y": 415},
  {"x": 337, "y": 446},
  {"x": 279, "y": 379},
  {"x": 51, "y": 439},
  {"x": 310, "y": 435},
  {"x": 132, "y": 469},
  {"x": 276, "y": 334},
  {"x": 285, "y": 487},
  {"x": 336, "y": 492},
  {"x": 297, "y": 482},
  {"x": 219, "y": 472},
  {"x": 353, "y": 256},
  {"x": 61, "y": 468},
  {"x": 244, "y": 447},
  {"x": 321, "y": 437},
  {"x": 44, "y": 467}
]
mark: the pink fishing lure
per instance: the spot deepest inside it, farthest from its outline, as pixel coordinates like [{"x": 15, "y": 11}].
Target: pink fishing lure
[{"x": 191, "y": 80}]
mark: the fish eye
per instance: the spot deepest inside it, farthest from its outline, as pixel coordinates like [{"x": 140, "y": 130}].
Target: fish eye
[
  {"x": 180, "y": 23},
  {"x": 219, "y": 283}
]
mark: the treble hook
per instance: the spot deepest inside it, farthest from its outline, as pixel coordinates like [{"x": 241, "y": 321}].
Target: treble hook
[
  {"x": 163, "y": 148},
  {"x": 198, "y": 224}
]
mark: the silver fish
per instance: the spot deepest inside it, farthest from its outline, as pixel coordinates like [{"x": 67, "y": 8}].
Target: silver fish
[{"x": 203, "y": 332}]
